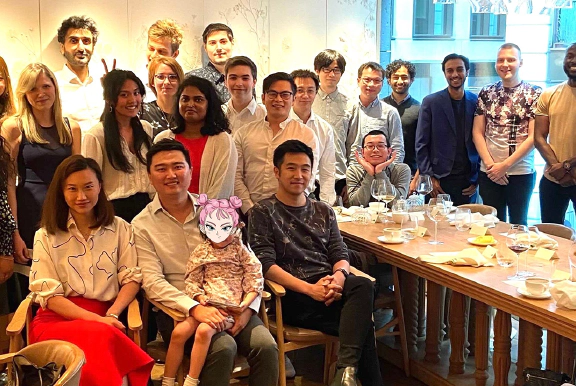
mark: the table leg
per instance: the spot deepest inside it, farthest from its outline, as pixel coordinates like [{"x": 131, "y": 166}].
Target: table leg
[
  {"x": 471, "y": 334},
  {"x": 567, "y": 356},
  {"x": 553, "y": 351},
  {"x": 434, "y": 325},
  {"x": 457, "y": 318},
  {"x": 529, "y": 349},
  {"x": 482, "y": 339},
  {"x": 409, "y": 291},
  {"x": 502, "y": 345},
  {"x": 421, "y": 307}
]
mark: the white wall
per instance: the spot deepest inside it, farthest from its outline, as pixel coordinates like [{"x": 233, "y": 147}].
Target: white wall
[{"x": 278, "y": 35}]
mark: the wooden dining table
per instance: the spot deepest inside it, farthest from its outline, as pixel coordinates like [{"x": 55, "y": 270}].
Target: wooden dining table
[{"x": 488, "y": 288}]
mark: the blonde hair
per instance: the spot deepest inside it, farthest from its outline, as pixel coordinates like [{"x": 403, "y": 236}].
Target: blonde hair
[
  {"x": 26, "y": 119},
  {"x": 170, "y": 62},
  {"x": 166, "y": 28},
  {"x": 7, "y": 107}
]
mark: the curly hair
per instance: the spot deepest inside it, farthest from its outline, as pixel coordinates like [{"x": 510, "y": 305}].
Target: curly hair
[
  {"x": 77, "y": 22},
  {"x": 222, "y": 207}
]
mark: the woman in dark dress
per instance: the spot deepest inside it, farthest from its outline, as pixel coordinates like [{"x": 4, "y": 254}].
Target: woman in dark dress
[{"x": 39, "y": 139}]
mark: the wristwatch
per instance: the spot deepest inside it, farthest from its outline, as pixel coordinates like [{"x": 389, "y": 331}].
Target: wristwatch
[
  {"x": 567, "y": 166},
  {"x": 344, "y": 272}
]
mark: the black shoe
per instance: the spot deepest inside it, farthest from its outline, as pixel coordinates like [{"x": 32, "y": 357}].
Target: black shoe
[{"x": 345, "y": 376}]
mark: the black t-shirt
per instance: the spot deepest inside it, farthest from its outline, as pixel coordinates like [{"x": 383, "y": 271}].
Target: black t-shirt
[{"x": 461, "y": 164}]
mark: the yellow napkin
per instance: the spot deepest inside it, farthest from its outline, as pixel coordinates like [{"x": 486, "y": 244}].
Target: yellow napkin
[
  {"x": 542, "y": 241},
  {"x": 564, "y": 293},
  {"x": 467, "y": 257}
]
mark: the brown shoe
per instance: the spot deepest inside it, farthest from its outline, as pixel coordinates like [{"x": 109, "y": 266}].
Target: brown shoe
[{"x": 345, "y": 377}]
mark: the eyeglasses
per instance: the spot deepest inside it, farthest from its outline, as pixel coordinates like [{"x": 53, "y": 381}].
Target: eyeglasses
[
  {"x": 335, "y": 70},
  {"x": 375, "y": 81},
  {"x": 285, "y": 95},
  {"x": 172, "y": 78},
  {"x": 380, "y": 147}
]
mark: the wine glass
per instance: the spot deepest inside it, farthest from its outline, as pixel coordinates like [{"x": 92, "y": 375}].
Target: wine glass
[
  {"x": 445, "y": 197},
  {"x": 518, "y": 241},
  {"x": 436, "y": 211},
  {"x": 424, "y": 185},
  {"x": 382, "y": 191}
]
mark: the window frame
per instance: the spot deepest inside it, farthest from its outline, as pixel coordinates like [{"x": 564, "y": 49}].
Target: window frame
[
  {"x": 501, "y": 21},
  {"x": 447, "y": 23}
]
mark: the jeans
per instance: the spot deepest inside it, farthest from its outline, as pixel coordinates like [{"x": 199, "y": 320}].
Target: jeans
[
  {"x": 453, "y": 185},
  {"x": 516, "y": 196},
  {"x": 350, "y": 319},
  {"x": 254, "y": 342},
  {"x": 554, "y": 200}
]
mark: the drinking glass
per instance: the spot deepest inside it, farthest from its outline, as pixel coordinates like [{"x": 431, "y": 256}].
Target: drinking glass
[
  {"x": 572, "y": 260},
  {"x": 518, "y": 241},
  {"x": 462, "y": 218},
  {"x": 504, "y": 259},
  {"x": 445, "y": 197},
  {"x": 436, "y": 211},
  {"x": 424, "y": 185},
  {"x": 383, "y": 191},
  {"x": 409, "y": 226}
]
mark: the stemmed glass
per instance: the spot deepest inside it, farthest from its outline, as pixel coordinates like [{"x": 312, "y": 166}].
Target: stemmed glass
[
  {"x": 518, "y": 241},
  {"x": 424, "y": 185},
  {"x": 436, "y": 211},
  {"x": 383, "y": 191},
  {"x": 445, "y": 197}
]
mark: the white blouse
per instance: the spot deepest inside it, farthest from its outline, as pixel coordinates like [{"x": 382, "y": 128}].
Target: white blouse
[
  {"x": 118, "y": 184},
  {"x": 65, "y": 264}
]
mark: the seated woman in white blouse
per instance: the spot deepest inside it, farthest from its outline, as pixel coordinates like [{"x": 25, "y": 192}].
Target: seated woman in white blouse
[
  {"x": 84, "y": 275},
  {"x": 119, "y": 144}
]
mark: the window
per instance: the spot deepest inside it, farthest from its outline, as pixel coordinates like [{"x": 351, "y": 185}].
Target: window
[
  {"x": 487, "y": 26},
  {"x": 432, "y": 20}
]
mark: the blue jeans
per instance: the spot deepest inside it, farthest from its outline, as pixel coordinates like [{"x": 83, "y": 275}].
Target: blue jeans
[
  {"x": 554, "y": 200},
  {"x": 515, "y": 196}
]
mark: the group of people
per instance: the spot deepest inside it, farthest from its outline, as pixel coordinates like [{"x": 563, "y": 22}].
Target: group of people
[{"x": 113, "y": 189}]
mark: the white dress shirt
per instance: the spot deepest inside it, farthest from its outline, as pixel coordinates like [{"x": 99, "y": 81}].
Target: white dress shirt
[
  {"x": 164, "y": 246},
  {"x": 255, "y": 179},
  {"x": 65, "y": 264},
  {"x": 253, "y": 112},
  {"x": 83, "y": 102},
  {"x": 327, "y": 161},
  {"x": 118, "y": 184}
]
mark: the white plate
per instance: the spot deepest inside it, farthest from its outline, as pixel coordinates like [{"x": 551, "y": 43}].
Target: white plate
[
  {"x": 390, "y": 241},
  {"x": 471, "y": 241},
  {"x": 524, "y": 292}
]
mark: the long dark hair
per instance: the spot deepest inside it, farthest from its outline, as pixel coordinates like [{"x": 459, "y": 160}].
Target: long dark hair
[
  {"x": 55, "y": 209},
  {"x": 215, "y": 121},
  {"x": 113, "y": 82},
  {"x": 6, "y": 164}
]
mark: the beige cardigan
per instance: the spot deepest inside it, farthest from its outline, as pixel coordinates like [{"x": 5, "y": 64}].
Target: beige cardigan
[{"x": 218, "y": 165}]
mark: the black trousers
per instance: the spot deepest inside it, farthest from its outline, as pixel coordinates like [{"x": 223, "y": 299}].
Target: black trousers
[
  {"x": 127, "y": 208},
  {"x": 554, "y": 200},
  {"x": 453, "y": 185},
  {"x": 350, "y": 319}
]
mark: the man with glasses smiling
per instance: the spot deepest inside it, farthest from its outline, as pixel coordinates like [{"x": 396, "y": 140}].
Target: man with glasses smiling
[
  {"x": 370, "y": 113},
  {"x": 331, "y": 105},
  {"x": 256, "y": 142},
  {"x": 376, "y": 161}
]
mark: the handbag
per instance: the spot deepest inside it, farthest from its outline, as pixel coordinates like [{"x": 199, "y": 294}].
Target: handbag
[
  {"x": 28, "y": 374},
  {"x": 537, "y": 377}
]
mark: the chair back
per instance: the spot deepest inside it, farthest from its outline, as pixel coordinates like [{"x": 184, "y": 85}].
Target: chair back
[
  {"x": 60, "y": 352},
  {"x": 556, "y": 230},
  {"x": 480, "y": 208}
]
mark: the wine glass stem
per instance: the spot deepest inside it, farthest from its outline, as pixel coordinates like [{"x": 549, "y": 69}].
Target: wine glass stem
[
  {"x": 517, "y": 264},
  {"x": 435, "y": 231},
  {"x": 525, "y": 262}
]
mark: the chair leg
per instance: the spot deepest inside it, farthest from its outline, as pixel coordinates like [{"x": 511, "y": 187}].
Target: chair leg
[
  {"x": 327, "y": 360},
  {"x": 401, "y": 325},
  {"x": 281, "y": 364},
  {"x": 180, "y": 375}
]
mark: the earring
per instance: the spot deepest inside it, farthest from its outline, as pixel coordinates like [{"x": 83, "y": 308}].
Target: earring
[{"x": 111, "y": 108}]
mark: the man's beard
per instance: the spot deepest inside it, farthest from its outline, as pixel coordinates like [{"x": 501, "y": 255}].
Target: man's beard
[
  {"x": 71, "y": 58},
  {"x": 572, "y": 77}
]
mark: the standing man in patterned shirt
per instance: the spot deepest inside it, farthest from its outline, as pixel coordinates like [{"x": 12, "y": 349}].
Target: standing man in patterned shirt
[
  {"x": 330, "y": 104},
  {"x": 218, "y": 43},
  {"x": 503, "y": 133}
]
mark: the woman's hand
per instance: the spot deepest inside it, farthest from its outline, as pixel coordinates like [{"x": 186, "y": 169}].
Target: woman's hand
[
  {"x": 6, "y": 268},
  {"x": 21, "y": 255},
  {"x": 112, "y": 321}
]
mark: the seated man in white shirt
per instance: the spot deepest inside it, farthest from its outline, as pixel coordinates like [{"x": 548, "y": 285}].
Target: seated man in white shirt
[
  {"x": 307, "y": 84},
  {"x": 376, "y": 162},
  {"x": 80, "y": 89},
  {"x": 242, "y": 108},
  {"x": 166, "y": 232},
  {"x": 256, "y": 141}
]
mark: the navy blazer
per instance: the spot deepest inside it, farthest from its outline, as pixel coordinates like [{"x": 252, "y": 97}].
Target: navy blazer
[{"x": 436, "y": 135}]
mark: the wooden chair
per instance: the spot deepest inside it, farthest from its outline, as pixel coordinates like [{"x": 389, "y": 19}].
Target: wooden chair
[
  {"x": 556, "y": 230},
  {"x": 156, "y": 349},
  {"x": 479, "y": 208},
  {"x": 291, "y": 338},
  {"x": 60, "y": 352}
]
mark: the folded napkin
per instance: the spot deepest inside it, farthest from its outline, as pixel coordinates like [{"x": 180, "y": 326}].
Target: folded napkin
[
  {"x": 467, "y": 257},
  {"x": 486, "y": 220},
  {"x": 564, "y": 293},
  {"x": 539, "y": 241},
  {"x": 349, "y": 211}
]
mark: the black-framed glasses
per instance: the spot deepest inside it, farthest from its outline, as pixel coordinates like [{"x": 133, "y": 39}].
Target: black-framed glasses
[
  {"x": 380, "y": 147},
  {"x": 172, "y": 78},
  {"x": 375, "y": 81},
  {"x": 335, "y": 70},
  {"x": 285, "y": 95}
]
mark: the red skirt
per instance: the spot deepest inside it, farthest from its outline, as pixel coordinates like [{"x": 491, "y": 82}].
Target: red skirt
[{"x": 110, "y": 354}]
